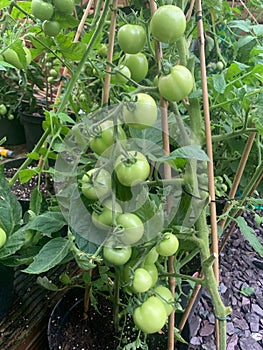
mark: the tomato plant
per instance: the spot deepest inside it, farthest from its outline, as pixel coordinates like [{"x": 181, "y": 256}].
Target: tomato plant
[
  {"x": 137, "y": 64},
  {"x": 176, "y": 85},
  {"x": 142, "y": 113},
  {"x": 168, "y": 23},
  {"x": 119, "y": 77},
  {"x": 42, "y": 10},
  {"x": 96, "y": 183},
  {"x": 131, "y": 38},
  {"x": 132, "y": 228},
  {"x": 150, "y": 316},
  {"x": 117, "y": 256},
  {"x": 105, "y": 137},
  {"x": 168, "y": 245},
  {"x": 2, "y": 237},
  {"x": 131, "y": 169}
]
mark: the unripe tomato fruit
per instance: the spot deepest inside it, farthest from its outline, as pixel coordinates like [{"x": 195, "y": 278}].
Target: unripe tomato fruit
[
  {"x": 176, "y": 85},
  {"x": 117, "y": 256},
  {"x": 168, "y": 245},
  {"x": 96, "y": 183},
  {"x": 168, "y": 24},
  {"x": 104, "y": 219},
  {"x": 142, "y": 280},
  {"x": 41, "y": 9},
  {"x": 2, "y": 237},
  {"x": 219, "y": 65},
  {"x": 132, "y": 228},
  {"x": 137, "y": 64},
  {"x": 151, "y": 316},
  {"x": 133, "y": 169},
  {"x": 152, "y": 269},
  {"x": 119, "y": 78},
  {"x": 3, "y": 109},
  {"x": 142, "y": 113},
  {"x": 131, "y": 38},
  {"x": 65, "y": 7},
  {"x": 166, "y": 297},
  {"x": 105, "y": 138},
  {"x": 51, "y": 28},
  {"x": 151, "y": 257}
]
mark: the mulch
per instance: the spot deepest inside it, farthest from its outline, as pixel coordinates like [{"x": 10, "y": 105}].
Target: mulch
[{"x": 240, "y": 268}]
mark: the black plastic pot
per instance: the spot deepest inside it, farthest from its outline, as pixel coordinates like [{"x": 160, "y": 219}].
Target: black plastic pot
[
  {"x": 71, "y": 302},
  {"x": 6, "y": 289},
  {"x": 13, "y": 130},
  {"x": 32, "y": 128}
]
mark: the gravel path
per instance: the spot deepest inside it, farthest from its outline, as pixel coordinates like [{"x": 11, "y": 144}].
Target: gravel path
[{"x": 241, "y": 268}]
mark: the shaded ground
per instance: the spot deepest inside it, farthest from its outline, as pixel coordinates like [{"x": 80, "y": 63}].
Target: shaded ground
[{"x": 241, "y": 268}]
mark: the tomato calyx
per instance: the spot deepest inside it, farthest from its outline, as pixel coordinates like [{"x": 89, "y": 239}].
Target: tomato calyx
[
  {"x": 166, "y": 68},
  {"x": 129, "y": 159}
]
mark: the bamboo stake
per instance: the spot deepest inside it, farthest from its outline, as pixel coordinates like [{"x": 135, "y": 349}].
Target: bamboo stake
[
  {"x": 239, "y": 173},
  {"x": 76, "y": 38},
  {"x": 209, "y": 146},
  {"x": 167, "y": 175},
  {"x": 106, "y": 89}
]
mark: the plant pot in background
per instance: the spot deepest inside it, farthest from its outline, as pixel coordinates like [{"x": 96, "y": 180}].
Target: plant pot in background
[
  {"x": 32, "y": 128},
  {"x": 6, "y": 289},
  {"x": 13, "y": 130}
]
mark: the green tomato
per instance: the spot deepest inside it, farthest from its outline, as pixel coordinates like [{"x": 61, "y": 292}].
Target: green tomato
[
  {"x": 142, "y": 280},
  {"x": 103, "y": 50},
  {"x": 28, "y": 55},
  {"x": 131, "y": 38},
  {"x": 51, "y": 28},
  {"x": 142, "y": 113},
  {"x": 2, "y": 237},
  {"x": 103, "y": 219},
  {"x": 137, "y": 64},
  {"x": 53, "y": 73},
  {"x": 152, "y": 270},
  {"x": 119, "y": 78},
  {"x": 3, "y": 109},
  {"x": 219, "y": 65},
  {"x": 133, "y": 169},
  {"x": 11, "y": 116},
  {"x": 117, "y": 256},
  {"x": 176, "y": 85},
  {"x": 42, "y": 10},
  {"x": 151, "y": 316},
  {"x": 151, "y": 257},
  {"x": 50, "y": 80},
  {"x": 169, "y": 244},
  {"x": 96, "y": 183},
  {"x": 168, "y": 24},
  {"x": 166, "y": 297},
  {"x": 132, "y": 228},
  {"x": 65, "y": 7},
  {"x": 105, "y": 138}
]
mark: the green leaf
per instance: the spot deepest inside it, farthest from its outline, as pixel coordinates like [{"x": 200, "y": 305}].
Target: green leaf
[
  {"x": 26, "y": 174},
  {"x": 244, "y": 40},
  {"x": 70, "y": 50},
  {"x": 47, "y": 284},
  {"x": 178, "y": 336},
  {"x": 247, "y": 291},
  {"x": 36, "y": 201},
  {"x": 49, "y": 256},
  {"x": 185, "y": 152},
  {"x": 244, "y": 26},
  {"x": 219, "y": 83},
  {"x": 48, "y": 222},
  {"x": 10, "y": 208},
  {"x": 14, "y": 242},
  {"x": 248, "y": 233},
  {"x": 4, "y": 3}
]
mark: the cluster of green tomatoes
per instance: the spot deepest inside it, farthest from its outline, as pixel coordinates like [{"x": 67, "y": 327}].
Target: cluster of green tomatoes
[
  {"x": 129, "y": 167},
  {"x": 49, "y": 12}
]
